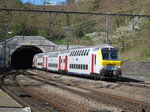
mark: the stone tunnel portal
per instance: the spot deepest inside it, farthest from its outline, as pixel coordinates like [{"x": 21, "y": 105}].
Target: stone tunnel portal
[{"x": 23, "y": 56}]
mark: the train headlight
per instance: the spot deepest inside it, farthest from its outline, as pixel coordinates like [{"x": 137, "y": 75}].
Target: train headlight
[
  {"x": 104, "y": 67},
  {"x": 118, "y": 67}
]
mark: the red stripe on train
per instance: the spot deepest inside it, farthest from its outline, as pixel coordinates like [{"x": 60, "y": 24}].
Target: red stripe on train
[
  {"x": 46, "y": 62},
  {"x": 92, "y": 65},
  {"x": 66, "y": 63}
]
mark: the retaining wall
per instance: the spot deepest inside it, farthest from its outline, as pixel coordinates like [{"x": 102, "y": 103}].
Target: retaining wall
[{"x": 136, "y": 68}]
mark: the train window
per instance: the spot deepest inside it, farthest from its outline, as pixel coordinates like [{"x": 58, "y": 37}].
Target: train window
[
  {"x": 110, "y": 54},
  {"x": 83, "y": 66},
  {"x": 40, "y": 64},
  {"x": 114, "y": 56},
  {"x": 53, "y": 65},
  {"x": 72, "y": 53},
  {"x": 76, "y": 66},
  {"x": 95, "y": 59},
  {"x": 77, "y": 53},
  {"x": 86, "y": 67},
  {"x": 82, "y": 52},
  {"x": 85, "y": 52},
  {"x": 88, "y": 52}
]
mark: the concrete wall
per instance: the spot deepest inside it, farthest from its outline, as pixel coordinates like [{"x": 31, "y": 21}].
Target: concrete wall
[{"x": 136, "y": 68}]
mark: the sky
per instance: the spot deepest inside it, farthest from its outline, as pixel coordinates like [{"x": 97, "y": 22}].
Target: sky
[{"x": 40, "y": 2}]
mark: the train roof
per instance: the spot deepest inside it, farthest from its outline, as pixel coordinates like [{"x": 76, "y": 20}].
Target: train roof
[
  {"x": 95, "y": 46},
  {"x": 84, "y": 47}
]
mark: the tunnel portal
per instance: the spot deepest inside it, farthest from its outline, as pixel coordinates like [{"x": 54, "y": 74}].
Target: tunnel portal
[{"x": 23, "y": 56}]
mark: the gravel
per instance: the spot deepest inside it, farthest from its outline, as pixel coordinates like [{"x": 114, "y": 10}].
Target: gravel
[{"x": 63, "y": 95}]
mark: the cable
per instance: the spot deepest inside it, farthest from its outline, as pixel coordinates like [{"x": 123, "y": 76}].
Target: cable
[{"x": 70, "y": 12}]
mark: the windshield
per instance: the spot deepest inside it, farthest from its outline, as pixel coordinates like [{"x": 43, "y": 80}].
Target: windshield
[{"x": 110, "y": 54}]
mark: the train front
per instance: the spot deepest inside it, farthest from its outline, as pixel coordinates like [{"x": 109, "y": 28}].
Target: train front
[{"x": 110, "y": 64}]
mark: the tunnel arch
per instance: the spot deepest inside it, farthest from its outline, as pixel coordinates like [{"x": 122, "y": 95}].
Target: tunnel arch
[{"x": 22, "y": 57}]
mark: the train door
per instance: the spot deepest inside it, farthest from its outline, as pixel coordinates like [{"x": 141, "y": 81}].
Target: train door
[
  {"x": 46, "y": 62},
  {"x": 63, "y": 62},
  {"x": 59, "y": 63},
  {"x": 93, "y": 63},
  {"x": 66, "y": 63}
]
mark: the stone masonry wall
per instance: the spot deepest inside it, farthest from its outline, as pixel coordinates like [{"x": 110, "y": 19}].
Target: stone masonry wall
[{"x": 136, "y": 68}]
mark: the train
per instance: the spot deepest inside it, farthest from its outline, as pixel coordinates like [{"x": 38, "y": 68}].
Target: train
[{"x": 98, "y": 62}]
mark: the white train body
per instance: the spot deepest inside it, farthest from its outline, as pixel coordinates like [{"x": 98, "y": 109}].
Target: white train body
[{"x": 97, "y": 61}]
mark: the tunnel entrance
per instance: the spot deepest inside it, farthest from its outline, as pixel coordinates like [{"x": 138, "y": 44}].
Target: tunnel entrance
[{"x": 23, "y": 56}]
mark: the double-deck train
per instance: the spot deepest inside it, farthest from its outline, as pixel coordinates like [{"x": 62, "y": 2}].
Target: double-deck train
[{"x": 98, "y": 62}]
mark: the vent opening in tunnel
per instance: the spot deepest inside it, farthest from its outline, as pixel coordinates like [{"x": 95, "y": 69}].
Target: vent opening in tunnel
[{"x": 23, "y": 56}]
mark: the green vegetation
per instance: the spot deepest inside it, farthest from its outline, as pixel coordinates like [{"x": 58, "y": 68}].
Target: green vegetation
[{"x": 133, "y": 43}]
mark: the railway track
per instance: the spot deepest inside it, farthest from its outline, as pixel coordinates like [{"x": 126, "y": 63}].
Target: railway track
[
  {"x": 28, "y": 97},
  {"x": 137, "y": 84},
  {"x": 132, "y": 82},
  {"x": 125, "y": 103}
]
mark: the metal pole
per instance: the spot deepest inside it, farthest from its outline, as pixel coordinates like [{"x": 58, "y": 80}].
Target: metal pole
[
  {"x": 5, "y": 34},
  {"x": 68, "y": 30},
  {"x": 68, "y": 37},
  {"x": 107, "y": 28}
]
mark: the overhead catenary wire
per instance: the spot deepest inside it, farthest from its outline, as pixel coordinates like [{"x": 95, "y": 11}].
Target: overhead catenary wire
[{"x": 71, "y": 12}]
